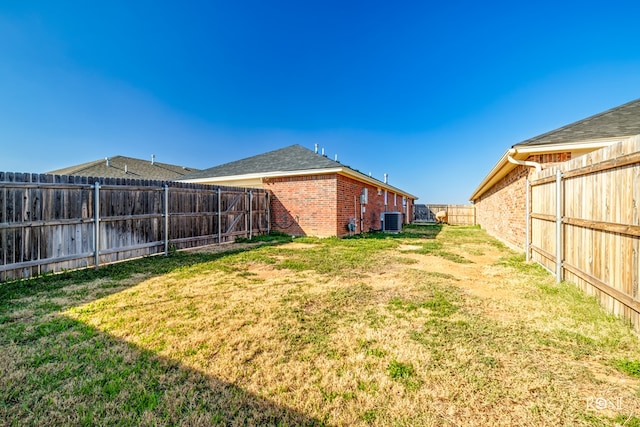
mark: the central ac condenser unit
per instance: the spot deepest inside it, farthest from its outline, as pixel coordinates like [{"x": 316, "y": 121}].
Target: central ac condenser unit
[{"x": 392, "y": 222}]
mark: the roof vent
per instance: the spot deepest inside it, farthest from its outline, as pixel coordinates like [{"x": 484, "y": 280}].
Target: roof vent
[
  {"x": 126, "y": 169},
  {"x": 323, "y": 152},
  {"x": 336, "y": 158},
  {"x": 107, "y": 161},
  {"x": 316, "y": 145},
  {"x": 386, "y": 178},
  {"x": 153, "y": 159}
]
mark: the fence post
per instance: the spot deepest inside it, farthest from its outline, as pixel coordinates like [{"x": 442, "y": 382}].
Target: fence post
[
  {"x": 96, "y": 217},
  {"x": 250, "y": 214},
  {"x": 219, "y": 217},
  {"x": 268, "y": 210},
  {"x": 246, "y": 220},
  {"x": 559, "y": 226},
  {"x": 166, "y": 219},
  {"x": 528, "y": 220}
]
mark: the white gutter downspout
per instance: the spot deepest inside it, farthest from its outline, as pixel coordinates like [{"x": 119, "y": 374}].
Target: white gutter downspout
[{"x": 513, "y": 151}]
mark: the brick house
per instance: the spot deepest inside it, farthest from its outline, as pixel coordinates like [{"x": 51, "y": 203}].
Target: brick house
[
  {"x": 312, "y": 194},
  {"x": 500, "y": 199}
]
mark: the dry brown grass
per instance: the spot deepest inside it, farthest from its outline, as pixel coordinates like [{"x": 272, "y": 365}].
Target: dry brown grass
[{"x": 406, "y": 338}]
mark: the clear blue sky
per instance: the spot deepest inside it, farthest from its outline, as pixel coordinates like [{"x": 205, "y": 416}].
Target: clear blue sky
[{"x": 432, "y": 93}]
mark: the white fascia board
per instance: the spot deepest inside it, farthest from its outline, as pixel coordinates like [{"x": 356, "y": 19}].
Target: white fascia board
[
  {"x": 493, "y": 176},
  {"x": 522, "y": 152},
  {"x": 379, "y": 184},
  {"x": 588, "y": 145},
  {"x": 305, "y": 172}
]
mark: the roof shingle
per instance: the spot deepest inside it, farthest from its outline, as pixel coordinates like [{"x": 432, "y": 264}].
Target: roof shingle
[
  {"x": 616, "y": 122},
  {"x": 126, "y": 167},
  {"x": 292, "y": 158}
]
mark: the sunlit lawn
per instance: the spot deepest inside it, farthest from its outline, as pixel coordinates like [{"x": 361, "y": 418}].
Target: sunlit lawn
[{"x": 434, "y": 326}]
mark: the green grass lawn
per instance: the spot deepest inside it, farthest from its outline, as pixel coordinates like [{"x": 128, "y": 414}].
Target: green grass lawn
[{"x": 438, "y": 325}]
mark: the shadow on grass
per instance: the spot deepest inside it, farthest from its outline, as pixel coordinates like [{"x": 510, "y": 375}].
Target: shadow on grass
[
  {"x": 56, "y": 370},
  {"x": 69, "y": 373}
]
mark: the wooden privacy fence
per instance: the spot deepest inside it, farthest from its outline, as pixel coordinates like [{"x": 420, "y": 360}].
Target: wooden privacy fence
[
  {"x": 456, "y": 214},
  {"x": 50, "y": 223},
  {"x": 583, "y": 224}
]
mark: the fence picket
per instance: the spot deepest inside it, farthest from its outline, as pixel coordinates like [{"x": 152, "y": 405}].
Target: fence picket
[
  {"x": 599, "y": 229},
  {"x": 47, "y": 222}
]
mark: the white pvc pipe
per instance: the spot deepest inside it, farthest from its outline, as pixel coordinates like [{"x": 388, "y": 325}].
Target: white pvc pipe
[{"x": 536, "y": 165}]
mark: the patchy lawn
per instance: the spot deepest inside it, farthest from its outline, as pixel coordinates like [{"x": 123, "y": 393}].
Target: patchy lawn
[{"x": 434, "y": 326}]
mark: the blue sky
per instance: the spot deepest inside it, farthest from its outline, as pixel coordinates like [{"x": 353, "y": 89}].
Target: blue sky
[{"x": 431, "y": 93}]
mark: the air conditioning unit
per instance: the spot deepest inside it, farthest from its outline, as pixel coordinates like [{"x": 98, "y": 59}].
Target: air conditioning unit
[{"x": 392, "y": 222}]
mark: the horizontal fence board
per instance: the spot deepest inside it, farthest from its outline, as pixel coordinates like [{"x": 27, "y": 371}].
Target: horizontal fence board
[
  {"x": 456, "y": 214},
  {"x": 599, "y": 224},
  {"x": 48, "y": 222}
]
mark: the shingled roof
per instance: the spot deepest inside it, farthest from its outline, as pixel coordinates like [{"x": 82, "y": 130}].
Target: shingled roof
[
  {"x": 616, "y": 122},
  {"x": 126, "y": 167},
  {"x": 292, "y": 158},
  {"x": 578, "y": 138}
]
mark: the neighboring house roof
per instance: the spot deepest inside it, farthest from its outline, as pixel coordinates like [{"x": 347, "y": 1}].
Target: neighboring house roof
[
  {"x": 581, "y": 137},
  {"x": 126, "y": 167},
  {"x": 293, "y": 160}
]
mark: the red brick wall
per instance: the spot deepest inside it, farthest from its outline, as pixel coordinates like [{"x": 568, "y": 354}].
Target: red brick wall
[
  {"x": 502, "y": 210},
  {"x": 349, "y": 191},
  {"x": 323, "y": 205},
  {"x": 304, "y": 205}
]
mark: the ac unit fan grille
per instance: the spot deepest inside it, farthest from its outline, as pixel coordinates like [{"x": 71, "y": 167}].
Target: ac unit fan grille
[{"x": 392, "y": 222}]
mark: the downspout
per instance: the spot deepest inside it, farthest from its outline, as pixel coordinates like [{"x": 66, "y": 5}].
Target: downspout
[{"x": 513, "y": 151}]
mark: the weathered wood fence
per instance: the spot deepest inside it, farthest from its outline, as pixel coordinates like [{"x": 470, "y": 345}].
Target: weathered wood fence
[
  {"x": 583, "y": 224},
  {"x": 50, "y": 223},
  {"x": 456, "y": 214}
]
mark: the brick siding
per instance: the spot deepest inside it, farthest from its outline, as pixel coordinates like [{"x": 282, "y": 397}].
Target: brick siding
[
  {"x": 502, "y": 209},
  {"x": 323, "y": 205}
]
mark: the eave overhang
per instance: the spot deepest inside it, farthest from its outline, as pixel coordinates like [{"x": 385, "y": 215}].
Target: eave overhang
[
  {"x": 264, "y": 176},
  {"x": 523, "y": 151}
]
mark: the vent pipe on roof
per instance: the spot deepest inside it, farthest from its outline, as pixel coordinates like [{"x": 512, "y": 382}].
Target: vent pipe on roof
[
  {"x": 153, "y": 159},
  {"x": 316, "y": 145},
  {"x": 386, "y": 178},
  {"x": 107, "y": 161},
  {"x": 126, "y": 170},
  {"x": 323, "y": 151},
  {"x": 336, "y": 158}
]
